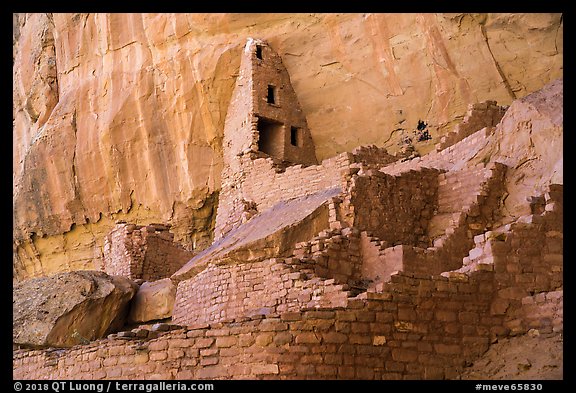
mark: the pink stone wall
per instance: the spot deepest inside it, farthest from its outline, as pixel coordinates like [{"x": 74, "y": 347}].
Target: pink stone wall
[
  {"x": 147, "y": 253},
  {"x": 225, "y": 292}
]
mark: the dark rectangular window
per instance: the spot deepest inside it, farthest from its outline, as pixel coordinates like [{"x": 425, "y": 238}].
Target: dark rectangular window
[
  {"x": 271, "y": 95},
  {"x": 295, "y": 136},
  {"x": 259, "y": 52}
]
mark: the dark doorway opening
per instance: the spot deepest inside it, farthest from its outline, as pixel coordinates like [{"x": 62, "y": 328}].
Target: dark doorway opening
[{"x": 271, "y": 137}]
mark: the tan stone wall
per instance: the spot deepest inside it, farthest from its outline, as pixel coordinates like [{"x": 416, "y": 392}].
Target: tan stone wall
[
  {"x": 446, "y": 159},
  {"x": 527, "y": 258},
  {"x": 543, "y": 312},
  {"x": 480, "y": 213},
  {"x": 373, "y": 156},
  {"x": 147, "y": 253},
  {"x": 478, "y": 116},
  {"x": 263, "y": 185},
  {"x": 334, "y": 254},
  {"x": 269, "y": 73},
  {"x": 163, "y": 258},
  {"x": 256, "y": 127},
  {"x": 122, "y": 253}
]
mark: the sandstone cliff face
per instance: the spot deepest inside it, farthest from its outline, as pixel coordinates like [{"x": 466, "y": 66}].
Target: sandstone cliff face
[{"x": 121, "y": 116}]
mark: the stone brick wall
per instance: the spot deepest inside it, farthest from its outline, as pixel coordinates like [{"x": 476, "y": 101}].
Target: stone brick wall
[
  {"x": 423, "y": 328},
  {"x": 123, "y": 252},
  {"x": 526, "y": 256},
  {"x": 271, "y": 234},
  {"x": 543, "y": 312},
  {"x": 267, "y": 187},
  {"x": 225, "y": 292},
  {"x": 478, "y": 214},
  {"x": 263, "y": 186},
  {"x": 264, "y": 119},
  {"x": 162, "y": 257},
  {"x": 416, "y": 327},
  {"x": 271, "y": 82},
  {"x": 147, "y": 253},
  {"x": 379, "y": 261},
  {"x": 478, "y": 116},
  {"x": 395, "y": 209},
  {"x": 263, "y": 161},
  {"x": 333, "y": 254},
  {"x": 373, "y": 157},
  {"x": 446, "y": 159}
]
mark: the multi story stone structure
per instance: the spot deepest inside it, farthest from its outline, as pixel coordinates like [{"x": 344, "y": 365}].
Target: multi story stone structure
[{"x": 362, "y": 266}]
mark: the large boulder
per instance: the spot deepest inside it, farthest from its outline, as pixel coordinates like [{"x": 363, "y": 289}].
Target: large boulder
[
  {"x": 67, "y": 309},
  {"x": 154, "y": 300}
]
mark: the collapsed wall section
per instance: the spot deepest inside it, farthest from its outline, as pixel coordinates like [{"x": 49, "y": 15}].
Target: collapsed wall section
[
  {"x": 333, "y": 254},
  {"x": 147, "y": 253},
  {"x": 480, "y": 211},
  {"x": 272, "y": 233},
  {"x": 543, "y": 313},
  {"x": 479, "y": 115}
]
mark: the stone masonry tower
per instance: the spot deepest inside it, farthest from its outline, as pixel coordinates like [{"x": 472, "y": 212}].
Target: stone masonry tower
[{"x": 264, "y": 120}]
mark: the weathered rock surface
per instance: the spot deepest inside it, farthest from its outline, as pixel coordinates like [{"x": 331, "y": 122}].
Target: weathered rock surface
[
  {"x": 120, "y": 116},
  {"x": 154, "y": 300},
  {"x": 268, "y": 234},
  {"x": 67, "y": 309},
  {"x": 521, "y": 358},
  {"x": 529, "y": 140}
]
